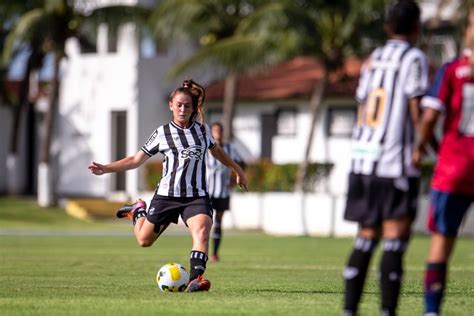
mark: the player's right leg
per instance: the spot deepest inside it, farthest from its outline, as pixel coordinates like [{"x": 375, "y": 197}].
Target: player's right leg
[
  {"x": 355, "y": 271},
  {"x": 446, "y": 213}
]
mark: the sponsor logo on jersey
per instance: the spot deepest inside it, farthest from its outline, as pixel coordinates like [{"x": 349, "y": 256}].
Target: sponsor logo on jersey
[{"x": 193, "y": 152}]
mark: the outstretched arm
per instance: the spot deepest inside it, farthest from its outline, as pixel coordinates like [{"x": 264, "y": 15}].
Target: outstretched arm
[
  {"x": 222, "y": 156},
  {"x": 124, "y": 164}
]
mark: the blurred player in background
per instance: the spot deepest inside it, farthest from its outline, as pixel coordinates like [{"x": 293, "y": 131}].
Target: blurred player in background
[
  {"x": 182, "y": 190},
  {"x": 219, "y": 184},
  {"x": 452, "y": 94},
  {"x": 383, "y": 183}
]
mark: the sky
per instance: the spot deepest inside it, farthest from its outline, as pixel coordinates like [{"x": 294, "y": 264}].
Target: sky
[{"x": 18, "y": 66}]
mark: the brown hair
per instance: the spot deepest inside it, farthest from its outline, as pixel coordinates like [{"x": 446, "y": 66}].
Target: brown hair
[{"x": 197, "y": 94}]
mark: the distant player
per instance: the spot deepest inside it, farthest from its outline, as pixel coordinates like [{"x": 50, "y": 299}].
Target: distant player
[
  {"x": 219, "y": 185},
  {"x": 182, "y": 190},
  {"x": 453, "y": 181},
  {"x": 383, "y": 183}
]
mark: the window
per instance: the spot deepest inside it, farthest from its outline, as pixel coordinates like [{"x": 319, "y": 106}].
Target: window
[
  {"x": 286, "y": 122},
  {"x": 112, "y": 38},
  {"x": 147, "y": 44},
  {"x": 340, "y": 121}
]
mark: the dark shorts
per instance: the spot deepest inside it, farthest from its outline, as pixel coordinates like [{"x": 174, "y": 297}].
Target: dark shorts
[
  {"x": 371, "y": 199},
  {"x": 165, "y": 210},
  {"x": 447, "y": 211},
  {"x": 220, "y": 204}
]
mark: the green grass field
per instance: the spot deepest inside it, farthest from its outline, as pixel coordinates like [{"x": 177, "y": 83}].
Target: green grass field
[{"x": 55, "y": 265}]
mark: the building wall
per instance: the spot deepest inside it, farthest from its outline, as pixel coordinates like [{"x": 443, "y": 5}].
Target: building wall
[{"x": 290, "y": 148}]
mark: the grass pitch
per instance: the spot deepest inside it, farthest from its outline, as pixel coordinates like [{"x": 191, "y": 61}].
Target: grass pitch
[{"x": 99, "y": 270}]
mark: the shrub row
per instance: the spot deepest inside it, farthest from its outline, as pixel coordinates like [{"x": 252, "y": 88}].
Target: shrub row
[{"x": 263, "y": 176}]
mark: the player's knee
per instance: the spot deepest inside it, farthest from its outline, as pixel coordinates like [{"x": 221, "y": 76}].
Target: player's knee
[{"x": 144, "y": 242}]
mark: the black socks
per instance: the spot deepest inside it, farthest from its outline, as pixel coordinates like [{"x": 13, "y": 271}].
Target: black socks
[{"x": 198, "y": 262}]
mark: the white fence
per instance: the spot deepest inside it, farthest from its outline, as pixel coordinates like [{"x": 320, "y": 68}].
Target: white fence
[{"x": 304, "y": 214}]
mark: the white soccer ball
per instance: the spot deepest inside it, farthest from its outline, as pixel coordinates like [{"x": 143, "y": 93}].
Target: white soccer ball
[{"x": 172, "y": 277}]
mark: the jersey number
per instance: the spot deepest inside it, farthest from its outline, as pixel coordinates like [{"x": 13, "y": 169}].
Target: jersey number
[
  {"x": 466, "y": 123},
  {"x": 372, "y": 112}
]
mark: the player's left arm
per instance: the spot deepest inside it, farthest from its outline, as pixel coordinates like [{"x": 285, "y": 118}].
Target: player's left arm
[{"x": 219, "y": 153}]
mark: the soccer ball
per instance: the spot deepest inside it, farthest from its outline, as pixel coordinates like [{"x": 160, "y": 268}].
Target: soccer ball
[{"x": 172, "y": 277}]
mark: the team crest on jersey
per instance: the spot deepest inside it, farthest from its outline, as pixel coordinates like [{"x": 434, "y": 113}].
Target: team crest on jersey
[{"x": 193, "y": 152}]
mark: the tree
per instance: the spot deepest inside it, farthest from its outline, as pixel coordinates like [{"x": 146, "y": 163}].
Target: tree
[
  {"x": 46, "y": 29},
  {"x": 10, "y": 12},
  {"x": 235, "y": 35},
  {"x": 331, "y": 32}
]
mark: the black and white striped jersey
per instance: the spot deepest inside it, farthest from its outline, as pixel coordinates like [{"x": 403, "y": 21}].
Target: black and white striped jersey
[
  {"x": 184, "y": 166},
  {"x": 384, "y": 136},
  {"x": 218, "y": 175}
]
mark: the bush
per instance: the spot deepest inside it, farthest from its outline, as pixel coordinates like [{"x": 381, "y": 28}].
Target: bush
[{"x": 263, "y": 176}]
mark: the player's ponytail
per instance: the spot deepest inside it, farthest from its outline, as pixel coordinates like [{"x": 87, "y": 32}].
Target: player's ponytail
[{"x": 198, "y": 95}]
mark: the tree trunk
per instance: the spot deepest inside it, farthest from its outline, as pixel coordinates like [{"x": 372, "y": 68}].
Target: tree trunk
[
  {"x": 314, "y": 105},
  {"x": 13, "y": 177},
  {"x": 45, "y": 183},
  {"x": 228, "y": 108}
]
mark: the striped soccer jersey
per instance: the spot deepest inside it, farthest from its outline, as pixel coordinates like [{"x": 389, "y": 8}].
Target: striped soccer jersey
[
  {"x": 384, "y": 135},
  {"x": 184, "y": 168},
  {"x": 218, "y": 175}
]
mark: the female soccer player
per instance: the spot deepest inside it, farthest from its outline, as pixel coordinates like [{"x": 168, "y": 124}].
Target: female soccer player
[
  {"x": 182, "y": 190},
  {"x": 219, "y": 185},
  {"x": 383, "y": 184},
  {"x": 452, "y": 187}
]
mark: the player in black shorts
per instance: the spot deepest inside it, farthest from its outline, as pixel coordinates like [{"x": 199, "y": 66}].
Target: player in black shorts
[
  {"x": 383, "y": 184},
  {"x": 182, "y": 190},
  {"x": 219, "y": 182}
]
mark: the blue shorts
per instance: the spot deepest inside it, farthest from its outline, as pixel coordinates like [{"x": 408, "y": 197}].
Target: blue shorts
[{"x": 447, "y": 211}]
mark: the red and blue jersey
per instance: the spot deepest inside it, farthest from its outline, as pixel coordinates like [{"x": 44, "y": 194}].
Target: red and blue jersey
[{"x": 453, "y": 93}]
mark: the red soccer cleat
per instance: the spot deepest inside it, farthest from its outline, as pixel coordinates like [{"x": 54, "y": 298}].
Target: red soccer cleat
[{"x": 198, "y": 285}]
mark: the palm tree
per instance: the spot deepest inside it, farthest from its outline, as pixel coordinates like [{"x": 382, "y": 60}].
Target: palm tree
[
  {"x": 331, "y": 32},
  {"x": 47, "y": 28},
  {"x": 235, "y": 35},
  {"x": 9, "y": 13}
]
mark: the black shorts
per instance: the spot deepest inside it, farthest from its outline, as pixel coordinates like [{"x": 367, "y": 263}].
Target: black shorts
[
  {"x": 220, "y": 204},
  {"x": 165, "y": 210},
  {"x": 371, "y": 199}
]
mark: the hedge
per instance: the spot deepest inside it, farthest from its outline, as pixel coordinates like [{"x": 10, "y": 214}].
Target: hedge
[{"x": 263, "y": 176}]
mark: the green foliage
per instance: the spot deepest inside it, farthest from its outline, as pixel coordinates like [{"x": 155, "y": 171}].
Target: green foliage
[{"x": 263, "y": 176}]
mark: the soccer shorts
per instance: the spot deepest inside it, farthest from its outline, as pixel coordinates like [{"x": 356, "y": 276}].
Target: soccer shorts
[
  {"x": 220, "y": 204},
  {"x": 446, "y": 211},
  {"x": 371, "y": 199},
  {"x": 164, "y": 210}
]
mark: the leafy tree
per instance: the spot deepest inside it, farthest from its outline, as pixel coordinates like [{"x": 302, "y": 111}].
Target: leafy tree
[
  {"x": 46, "y": 28},
  {"x": 332, "y": 31},
  {"x": 235, "y": 35}
]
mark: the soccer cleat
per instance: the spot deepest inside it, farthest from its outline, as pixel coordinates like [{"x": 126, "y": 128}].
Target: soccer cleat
[
  {"x": 198, "y": 284},
  {"x": 130, "y": 210},
  {"x": 215, "y": 258}
]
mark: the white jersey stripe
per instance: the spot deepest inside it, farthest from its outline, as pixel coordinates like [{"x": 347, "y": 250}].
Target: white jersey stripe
[
  {"x": 184, "y": 150},
  {"x": 395, "y": 73}
]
